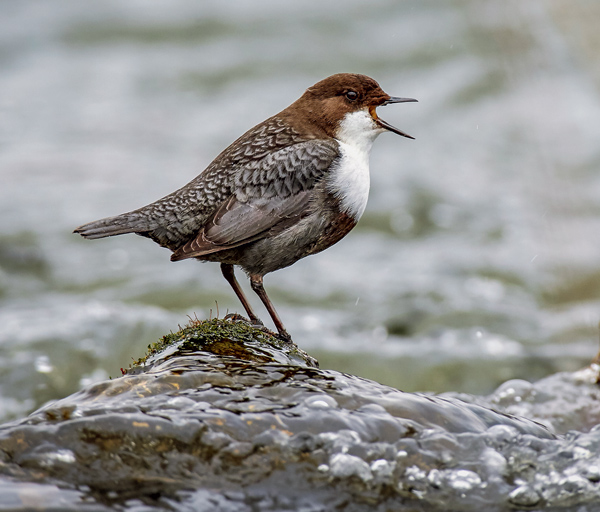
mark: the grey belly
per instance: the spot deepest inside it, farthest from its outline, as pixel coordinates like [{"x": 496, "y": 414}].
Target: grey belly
[
  {"x": 309, "y": 235},
  {"x": 279, "y": 250}
]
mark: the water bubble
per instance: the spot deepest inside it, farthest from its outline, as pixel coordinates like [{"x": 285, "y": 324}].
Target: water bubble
[
  {"x": 581, "y": 453},
  {"x": 321, "y": 402},
  {"x": 463, "y": 479},
  {"x": 343, "y": 465},
  {"x": 382, "y": 468},
  {"x": 494, "y": 461},
  {"x": 414, "y": 473},
  {"x": 435, "y": 478},
  {"x": 512, "y": 391},
  {"x": 592, "y": 473},
  {"x": 524, "y": 496},
  {"x": 502, "y": 433}
]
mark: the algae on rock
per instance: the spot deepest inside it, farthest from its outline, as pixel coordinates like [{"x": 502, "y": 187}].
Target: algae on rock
[{"x": 230, "y": 337}]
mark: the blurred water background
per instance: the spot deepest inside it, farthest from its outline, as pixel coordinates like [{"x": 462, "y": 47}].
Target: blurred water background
[{"x": 477, "y": 259}]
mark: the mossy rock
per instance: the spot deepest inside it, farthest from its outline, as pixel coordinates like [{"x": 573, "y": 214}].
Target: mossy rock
[{"x": 232, "y": 337}]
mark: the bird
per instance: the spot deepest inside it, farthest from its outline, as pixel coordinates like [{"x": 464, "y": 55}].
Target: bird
[{"x": 290, "y": 187}]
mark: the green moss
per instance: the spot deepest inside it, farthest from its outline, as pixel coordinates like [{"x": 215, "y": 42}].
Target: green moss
[{"x": 226, "y": 337}]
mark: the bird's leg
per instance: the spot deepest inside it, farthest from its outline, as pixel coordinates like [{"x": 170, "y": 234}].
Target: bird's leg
[
  {"x": 228, "y": 273},
  {"x": 256, "y": 281}
]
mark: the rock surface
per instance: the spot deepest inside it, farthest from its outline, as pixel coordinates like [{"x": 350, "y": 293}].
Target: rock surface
[{"x": 223, "y": 416}]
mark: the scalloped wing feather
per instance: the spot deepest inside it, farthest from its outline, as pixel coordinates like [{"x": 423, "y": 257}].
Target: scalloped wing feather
[{"x": 270, "y": 192}]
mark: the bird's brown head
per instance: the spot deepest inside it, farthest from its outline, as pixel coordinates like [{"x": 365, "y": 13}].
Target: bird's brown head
[{"x": 328, "y": 103}]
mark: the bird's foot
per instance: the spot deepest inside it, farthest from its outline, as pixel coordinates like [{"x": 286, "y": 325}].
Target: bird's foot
[
  {"x": 285, "y": 337},
  {"x": 236, "y": 317}
]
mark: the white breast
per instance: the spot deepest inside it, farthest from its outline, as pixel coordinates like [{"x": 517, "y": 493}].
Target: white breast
[{"x": 349, "y": 181}]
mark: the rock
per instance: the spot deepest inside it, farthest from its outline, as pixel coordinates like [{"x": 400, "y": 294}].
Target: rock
[{"x": 225, "y": 416}]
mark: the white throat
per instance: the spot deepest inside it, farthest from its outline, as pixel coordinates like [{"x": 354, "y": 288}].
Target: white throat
[{"x": 350, "y": 181}]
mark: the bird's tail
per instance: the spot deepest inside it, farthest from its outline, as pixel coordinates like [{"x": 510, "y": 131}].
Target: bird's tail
[{"x": 132, "y": 222}]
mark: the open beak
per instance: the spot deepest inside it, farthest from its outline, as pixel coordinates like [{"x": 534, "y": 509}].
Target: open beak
[{"x": 388, "y": 126}]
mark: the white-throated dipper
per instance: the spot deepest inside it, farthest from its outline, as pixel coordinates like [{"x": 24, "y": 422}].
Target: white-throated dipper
[{"x": 292, "y": 186}]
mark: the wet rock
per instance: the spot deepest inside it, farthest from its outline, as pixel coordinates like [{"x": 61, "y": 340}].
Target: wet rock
[
  {"x": 564, "y": 401},
  {"x": 524, "y": 496},
  {"x": 223, "y": 416}
]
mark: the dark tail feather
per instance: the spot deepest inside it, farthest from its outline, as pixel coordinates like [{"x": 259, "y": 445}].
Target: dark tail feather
[{"x": 127, "y": 223}]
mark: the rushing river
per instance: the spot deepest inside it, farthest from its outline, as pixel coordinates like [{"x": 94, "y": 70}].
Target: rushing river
[{"x": 478, "y": 257}]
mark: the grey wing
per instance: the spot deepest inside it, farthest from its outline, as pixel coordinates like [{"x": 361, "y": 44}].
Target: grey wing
[{"x": 266, "y": 193}]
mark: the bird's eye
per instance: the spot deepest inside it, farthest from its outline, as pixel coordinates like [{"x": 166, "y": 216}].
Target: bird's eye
[{"x": 351, "y": 95}]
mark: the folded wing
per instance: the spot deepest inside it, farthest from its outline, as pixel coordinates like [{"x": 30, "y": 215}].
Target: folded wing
[{"x": 270, "y": 193}]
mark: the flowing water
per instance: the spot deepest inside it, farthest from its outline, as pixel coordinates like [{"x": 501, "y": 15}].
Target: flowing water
[
  {"x": 207, "y": 423},
  {"x": 477, "y": 260}
]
